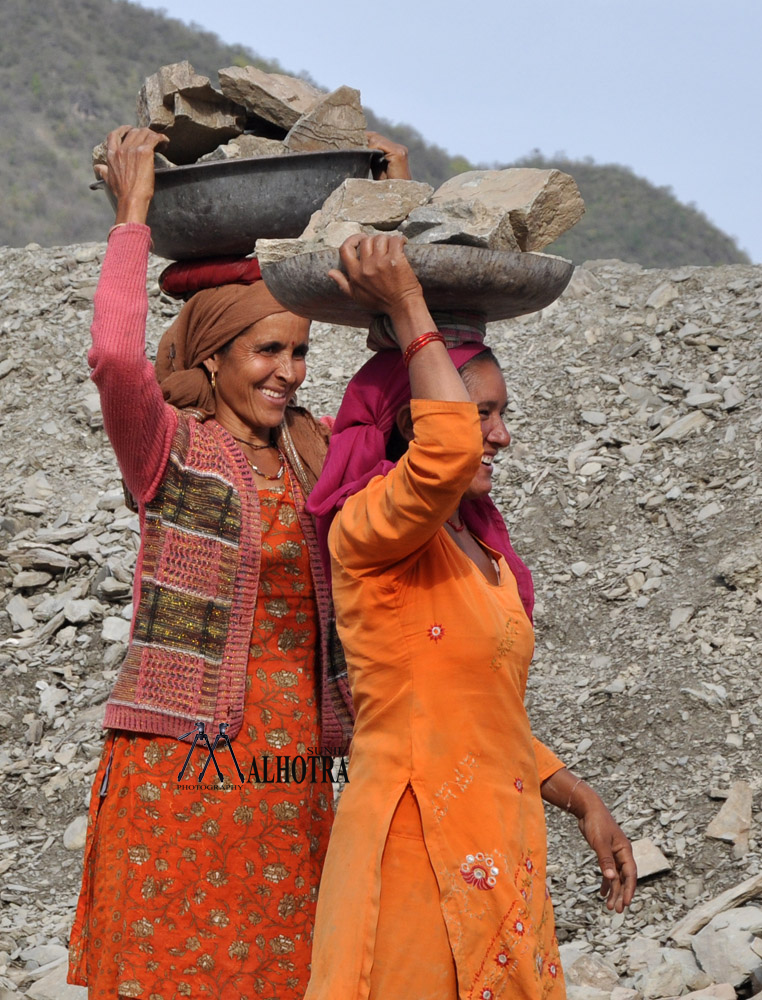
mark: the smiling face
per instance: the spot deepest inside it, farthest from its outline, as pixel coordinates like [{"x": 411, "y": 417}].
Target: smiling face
[
  {"x": 258, "y": 374},
  {"x": 486, "y": 387}
]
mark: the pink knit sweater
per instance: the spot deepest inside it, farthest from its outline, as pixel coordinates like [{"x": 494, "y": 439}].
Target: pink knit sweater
[
  {"x": 140, "y": 425},
  {"x": 177, "y": 468}
]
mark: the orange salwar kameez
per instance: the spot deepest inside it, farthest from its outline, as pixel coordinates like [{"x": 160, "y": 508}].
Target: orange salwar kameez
[
  {"x": 434, "y": 882},
  {"x": 211, "y": 892}
]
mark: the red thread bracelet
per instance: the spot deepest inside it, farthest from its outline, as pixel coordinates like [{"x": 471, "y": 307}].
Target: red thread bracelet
[{"x": 414, "y": 346}]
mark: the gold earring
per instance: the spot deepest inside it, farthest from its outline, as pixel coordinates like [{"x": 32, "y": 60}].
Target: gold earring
[{"x": 214, "y": 381}]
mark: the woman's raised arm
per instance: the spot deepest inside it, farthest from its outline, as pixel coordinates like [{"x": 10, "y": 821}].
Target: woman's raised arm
[
  {"x": 394, "y": 517},
  {"x": 380, "y": 278},
  {"x": 138, "y": 422}
]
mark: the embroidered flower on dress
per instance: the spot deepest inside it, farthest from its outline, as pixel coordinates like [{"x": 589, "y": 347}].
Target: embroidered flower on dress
[
  {"x": 502, "y": 959},
  {"x": 529, "y": 866},
  {"x": 486, "y": 994},
  {"x": 519, "y": 785},
  {"x": 552, "y": 969},
  {"x": 436, "y": 632},
  {"x": 479, "y": 871},
  {"x": 518, "y": 927}
]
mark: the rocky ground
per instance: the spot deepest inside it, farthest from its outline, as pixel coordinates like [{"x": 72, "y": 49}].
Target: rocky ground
[{"x": 633, "y": 490}]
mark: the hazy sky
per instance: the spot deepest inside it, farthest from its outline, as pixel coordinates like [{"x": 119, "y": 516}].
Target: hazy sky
[{"x": 670, "y": 88}]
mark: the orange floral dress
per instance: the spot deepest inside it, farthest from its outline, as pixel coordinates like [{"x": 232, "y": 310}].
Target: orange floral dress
[{"x": 209, "y": 891}]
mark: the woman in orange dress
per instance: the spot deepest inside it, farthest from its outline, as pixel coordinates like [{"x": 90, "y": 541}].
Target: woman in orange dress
[
  {"x": 434, "y": 882},
  {"x": 208, "y": 890}
]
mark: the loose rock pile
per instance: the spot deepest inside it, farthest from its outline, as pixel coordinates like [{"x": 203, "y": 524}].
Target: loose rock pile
[
  {"x": 633, "y": 490},
  {"x": 256, "y": 114},
  {"x": 517, "y": 209},
  {"x": 252, "y": 114}
]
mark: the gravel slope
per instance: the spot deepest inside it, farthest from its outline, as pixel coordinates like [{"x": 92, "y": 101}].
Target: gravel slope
[{"x": 632, "y": 488}]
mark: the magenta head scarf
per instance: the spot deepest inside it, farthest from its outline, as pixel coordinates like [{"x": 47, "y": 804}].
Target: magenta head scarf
[{"x": 357, "y": 453}]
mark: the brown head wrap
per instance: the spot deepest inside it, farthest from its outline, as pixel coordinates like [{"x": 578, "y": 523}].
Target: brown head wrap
[{"x": 211, "y": 319}]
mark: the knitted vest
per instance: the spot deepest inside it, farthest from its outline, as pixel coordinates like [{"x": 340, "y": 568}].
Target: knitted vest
[{"x": 196, "y": 592}]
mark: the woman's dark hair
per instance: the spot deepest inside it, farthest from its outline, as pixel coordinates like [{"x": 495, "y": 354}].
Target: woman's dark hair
[
  {"x": 396, "y": 446},
  {"x": 485, "y": 355},
  {"x": 228, "y": 344}
]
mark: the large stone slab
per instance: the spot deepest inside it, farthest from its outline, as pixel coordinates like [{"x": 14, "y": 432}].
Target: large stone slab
[
  {"x": 649, "y": 858},
  {"x": 674, "y": 971},
  {"x": 337, "y": 121},
  {"x": 43, "y": 954},
  {"x": 75, "y": 834},
  {"x": 332, "y": 237},
  {"x": 381, "y": 204},
  {"x": 724, "y": 947},
  {"x": 683, "y": 931},
  {"x": 642, "y": 953},
  {"x": 336, "y": 233},
  {"x": 155, "y": 104},
  {"x": 199, "y": 126},
  {"x": 54, "y": 987},
  {"x": 666, "y": 980},
  {"x": 272, "y": 251},
  {"x": 19, "y": 613},
  {"x": 245, "y": 147},
  {"x": 733, "y": 821},
  {"x": 683, "y": 426},
  {"x": 662, "y": 296},
  {"x": 184, "y": 106},
  {"x": 592, "y": 971},
  {"x": 275, "y": 97},
  {"x": 465, "y": 222},
  {"x": 542, "y": 204}
]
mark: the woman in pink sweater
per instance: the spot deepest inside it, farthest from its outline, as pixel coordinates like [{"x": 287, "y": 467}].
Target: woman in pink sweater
[{"x": 208, "y": 890}]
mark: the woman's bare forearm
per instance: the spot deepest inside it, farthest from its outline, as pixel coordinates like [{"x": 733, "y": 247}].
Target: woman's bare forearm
[{"x": 432, "y": 373}]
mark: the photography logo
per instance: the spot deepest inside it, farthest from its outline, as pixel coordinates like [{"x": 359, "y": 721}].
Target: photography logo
[
  {"x": 318, "y": 765},
  {"x": 220, "y": 739}
]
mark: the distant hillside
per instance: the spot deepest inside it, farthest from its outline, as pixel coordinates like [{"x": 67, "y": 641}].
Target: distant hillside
[
  {"x": 70, "y": 71},
  {"x": 629, "y": 218}
]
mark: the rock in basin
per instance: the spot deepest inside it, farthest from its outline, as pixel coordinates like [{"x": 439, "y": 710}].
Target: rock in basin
[
  {"x": 497, "y": 283},
  {"x": 218, "y": 208}
]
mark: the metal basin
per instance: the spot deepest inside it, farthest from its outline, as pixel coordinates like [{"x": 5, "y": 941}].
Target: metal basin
[
  {"x": 219, "y": 208},
  {"x": 499, "y": 284}
]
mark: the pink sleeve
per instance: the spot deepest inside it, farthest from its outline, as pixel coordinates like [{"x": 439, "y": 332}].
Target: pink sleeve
[{"x": 140, "y": 425}]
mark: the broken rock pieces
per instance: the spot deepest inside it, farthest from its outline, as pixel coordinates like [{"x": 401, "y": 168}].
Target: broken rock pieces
[{"x": 286, "y": 114}]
